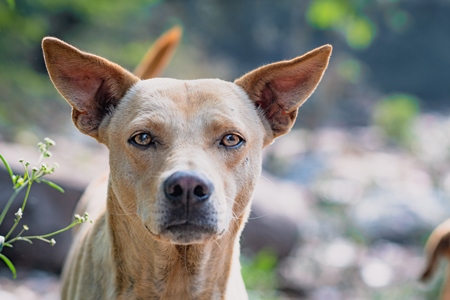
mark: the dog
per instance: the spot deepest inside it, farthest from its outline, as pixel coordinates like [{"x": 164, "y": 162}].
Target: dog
[
  {"x": 185, "y": 156},
  {"x": 437, "y": 246}
]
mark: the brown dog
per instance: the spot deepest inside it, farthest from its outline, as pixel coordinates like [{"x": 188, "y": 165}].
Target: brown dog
[
  {"x": 438, "y": 245},
  {"x": 184, "y": 159}
]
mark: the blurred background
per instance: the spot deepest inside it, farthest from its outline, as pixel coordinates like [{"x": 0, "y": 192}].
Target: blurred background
[{"x": 346, "y": 201}]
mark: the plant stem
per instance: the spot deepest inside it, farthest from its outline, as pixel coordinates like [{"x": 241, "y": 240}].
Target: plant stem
[
  {"x": 16, "y": 238},
  {"x": 10, "y": 201},
  {"x": 27, "y": 194},
  {"x": 45, "y": 235},
  {"x": 16, "y": 222},
  {"x": 55, "y": 232}
]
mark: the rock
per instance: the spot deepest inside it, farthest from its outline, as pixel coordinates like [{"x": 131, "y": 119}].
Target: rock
[{"x": 278, "y": 209}]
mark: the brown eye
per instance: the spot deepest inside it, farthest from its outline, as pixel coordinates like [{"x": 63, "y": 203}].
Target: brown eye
[
  {"x": 141, "y": 139},
  {"x": 231, "y": 141}
]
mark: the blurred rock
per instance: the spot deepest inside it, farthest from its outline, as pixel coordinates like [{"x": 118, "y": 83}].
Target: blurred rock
[
  {"x": 277, "y": 210},
  {"x": 34, "y": 285},
  {"x": 398, "y": 216}
]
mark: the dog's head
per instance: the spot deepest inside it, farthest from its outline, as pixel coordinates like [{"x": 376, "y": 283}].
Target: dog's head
[{"x": 184, "y": 155}]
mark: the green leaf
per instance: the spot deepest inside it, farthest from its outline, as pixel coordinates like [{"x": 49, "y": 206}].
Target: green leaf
[
  {"x": 8, "y": 168},
  {"x": 9, "y": 264},
  {"x": 53, "y": 185}
]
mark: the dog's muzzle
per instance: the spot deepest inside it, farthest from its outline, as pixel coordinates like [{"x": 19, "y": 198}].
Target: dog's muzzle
[{"x": 191, "y": 215}]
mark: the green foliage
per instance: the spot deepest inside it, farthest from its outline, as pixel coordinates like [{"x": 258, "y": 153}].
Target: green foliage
[
  {"x": 342, "y": 15},
  {"x": 260, "y": 275},
  {"x": 23, "y": 24},
  {"x": 394, "y": 115},
  {"x": 11, "y": 3},
  {"x": 352, "y": 19},
  {"x": 25, "y": 181}
]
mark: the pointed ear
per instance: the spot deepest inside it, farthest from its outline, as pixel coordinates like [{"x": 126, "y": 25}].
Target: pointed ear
[
  {"x": 92, "y": 85},
  {"x": 159, "y": 55},
  {"x": 280, "y": 88},
  {"x": 437, "y": 247}
]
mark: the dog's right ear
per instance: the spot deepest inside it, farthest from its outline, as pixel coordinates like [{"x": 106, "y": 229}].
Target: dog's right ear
[{"x": 92, "y": 85}]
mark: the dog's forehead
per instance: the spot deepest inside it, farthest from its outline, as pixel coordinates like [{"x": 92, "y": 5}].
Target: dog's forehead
[
  {"x": 169, "y": 97},
  {"x": 189, "y": 90}
]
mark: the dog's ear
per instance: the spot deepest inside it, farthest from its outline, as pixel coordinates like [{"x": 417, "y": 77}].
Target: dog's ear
[
  {"x": 159, "y": 55},
  {"x": 438, "y": 245},
  {"x": 92, "y": 85},
  {"x": 280, "y": 88}
]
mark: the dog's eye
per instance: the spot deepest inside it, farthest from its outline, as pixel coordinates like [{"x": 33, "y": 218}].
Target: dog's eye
[
  {"x": 142, "y": 139},
  {"x": 231, "y": 141}
]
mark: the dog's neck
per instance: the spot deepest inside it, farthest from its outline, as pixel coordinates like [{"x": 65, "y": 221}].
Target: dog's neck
[{"x": 167, "y": 271}]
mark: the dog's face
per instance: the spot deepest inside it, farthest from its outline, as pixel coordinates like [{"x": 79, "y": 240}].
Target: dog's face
[
  {"x": 184, "y": 155},
  {"x": 181, "y": 152}
]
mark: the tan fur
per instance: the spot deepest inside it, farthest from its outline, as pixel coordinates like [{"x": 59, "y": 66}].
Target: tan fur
[
  {"x": 438, "y": 245},
  {"x": 159, "y": 55},
  {"x": 131, "y": 252}
]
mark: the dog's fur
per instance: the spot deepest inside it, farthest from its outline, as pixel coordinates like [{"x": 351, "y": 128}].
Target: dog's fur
[
  {"x": 184, "y": 160},
  {"x": 159, "y": 55},
  {"x": 438, "y": 245}
]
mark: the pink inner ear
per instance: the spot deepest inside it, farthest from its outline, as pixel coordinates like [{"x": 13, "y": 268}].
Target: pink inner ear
[
  {"x": 268, "y": 101},
  {"x": 81, "y": 88},
  {"x": 283, "y": 93},
  {"x": 286, "y": 84},
  {"x": 265, "y": 97},
  {"x": 293, "y": 89}
]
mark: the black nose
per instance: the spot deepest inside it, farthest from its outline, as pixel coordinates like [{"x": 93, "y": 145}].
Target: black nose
[{"x": 187, "y": 187}]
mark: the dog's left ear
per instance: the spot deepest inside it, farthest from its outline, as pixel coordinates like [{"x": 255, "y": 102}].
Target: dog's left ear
[
  {"x": 280, "y": 88},
  {"x": 92, "y": 85}
]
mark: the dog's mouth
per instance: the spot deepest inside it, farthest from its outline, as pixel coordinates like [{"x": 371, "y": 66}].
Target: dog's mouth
[
  {"x": 184, "y": 233},
  {"x": 189, "y": 228},
  {"x": 188, "y": 233}
]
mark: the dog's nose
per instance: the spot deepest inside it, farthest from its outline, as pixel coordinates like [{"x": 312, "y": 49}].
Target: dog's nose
[{"x": 187, "y": 187}]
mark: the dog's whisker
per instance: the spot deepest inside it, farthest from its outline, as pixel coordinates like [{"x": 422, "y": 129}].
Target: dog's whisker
[
  {"x": 218, "y": 245},
  {"x": 258, "y": 217},
  {"x": 268, "y": 180}
]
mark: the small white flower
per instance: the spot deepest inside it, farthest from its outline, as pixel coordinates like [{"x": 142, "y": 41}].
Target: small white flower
[
  {"x": 49, "y": 141},
  {"x": 19, "y": 214}
]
